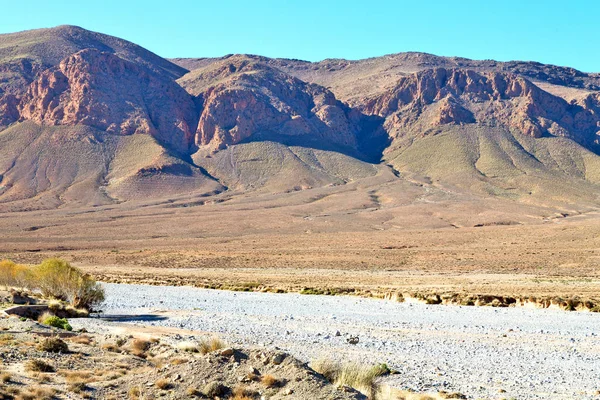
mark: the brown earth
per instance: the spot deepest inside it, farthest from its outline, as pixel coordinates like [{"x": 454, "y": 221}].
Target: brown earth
[{"x": 403, "y": 171}]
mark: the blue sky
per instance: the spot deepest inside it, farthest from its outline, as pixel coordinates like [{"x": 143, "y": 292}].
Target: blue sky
[{"x": 551, "y": 31}]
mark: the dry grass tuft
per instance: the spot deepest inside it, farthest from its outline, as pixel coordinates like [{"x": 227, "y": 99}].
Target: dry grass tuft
[
  {"x": 53, "y": 345},
  {"x": 37, "y": 365},
  {"x": 269, "y": 381},
  {"x": 210, "y": 345},
  {"x": 243, "y": 393},
  {"x": 36, "y": 394},
  {"x": 360, "y": 377},
  {"x": 140, "y": 345},
  {"x": 190, "y": 347},
  {"x": 77, "y": 376},
  {"x": 193, "y": 392},
  {"x": 111, "y": 347},
  {"x": 134, "y": 393},
  {"x": 163, "y": 384},
  {"x": 178, "y": 361},
  {"x": 77, "y": 387},
  {"x": 5, "y": 377},
  {"x": 81, "y": 339}
]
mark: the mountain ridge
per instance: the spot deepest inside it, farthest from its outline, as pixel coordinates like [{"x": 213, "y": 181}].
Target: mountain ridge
[{"x": 519, "y": 132}]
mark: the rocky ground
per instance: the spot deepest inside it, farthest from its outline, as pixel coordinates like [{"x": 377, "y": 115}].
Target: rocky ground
[
  {"x": 483, "y": 352},
  {"x": 112, "y": 366}
]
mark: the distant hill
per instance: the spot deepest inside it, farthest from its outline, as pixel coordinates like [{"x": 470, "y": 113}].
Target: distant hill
[{"x": 88, "y": 119}]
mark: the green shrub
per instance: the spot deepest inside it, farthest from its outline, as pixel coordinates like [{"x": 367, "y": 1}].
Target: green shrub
[
  {"x": 57, "y": 322},
  {"x": 58, "y": 279}
]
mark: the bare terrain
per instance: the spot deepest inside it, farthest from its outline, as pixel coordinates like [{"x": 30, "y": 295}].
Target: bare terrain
[{"x": 406, "y": 174}]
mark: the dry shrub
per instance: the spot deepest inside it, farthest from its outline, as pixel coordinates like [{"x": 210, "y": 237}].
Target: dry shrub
[
  {"x": 5, "y": 377},
  {"x": 163, "y": 384},
  {"x": 210, "y": 345},
  {"x": 134, "y": 393},
  {"x": 7, "y": 339},
  {"x": 53, "y": 345},
  {"x": 38, "y": 393},
  {"x": 111, "y": 347},
  {"x": 269, "y": 381},
  {"x": 37, "y": 365},
  {"x": 140, "y": 345},
  {"x": 14, "y": 275},
  {"x": 243, "y": 393},
  {"x": 81, "y": 339}
]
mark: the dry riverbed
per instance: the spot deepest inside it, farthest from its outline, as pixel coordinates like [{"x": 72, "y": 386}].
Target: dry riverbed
[{"x": 483, "y": 352}]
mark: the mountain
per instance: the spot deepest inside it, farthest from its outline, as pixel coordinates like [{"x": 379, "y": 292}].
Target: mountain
[{"x": 87, "y": 119}]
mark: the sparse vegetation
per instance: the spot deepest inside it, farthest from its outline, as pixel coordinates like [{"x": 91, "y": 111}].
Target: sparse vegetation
[
  {"x": 269, "y": 381},
  {"x": 163, "y": 384},
  {"x": 360, "y": 377},
  {"x": 37, "y": 365},
  {"x": 210, "y": 345},
  {"x": 56, "y": 322},
  {"x": 56, "y": 279},
  {"x": 36, "y": 394},
  {"x": 53, "y": 345},
  {"x": 134, "y": 393},
  {"x": 214, "y": 389}
]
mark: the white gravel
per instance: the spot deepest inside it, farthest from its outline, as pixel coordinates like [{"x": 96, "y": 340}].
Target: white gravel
[{"x": 478, "y": 351}]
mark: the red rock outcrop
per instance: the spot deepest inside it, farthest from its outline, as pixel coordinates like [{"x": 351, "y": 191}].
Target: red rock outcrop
[
  {"x": 9, "y": 112},
  {"x": 491, "y": 98},
  {"x": 108, "y": 93},
  {"x": 252, "y": 100}
]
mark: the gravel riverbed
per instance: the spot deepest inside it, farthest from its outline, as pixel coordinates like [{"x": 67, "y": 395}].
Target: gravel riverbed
[{"x": 482, "y": 352}]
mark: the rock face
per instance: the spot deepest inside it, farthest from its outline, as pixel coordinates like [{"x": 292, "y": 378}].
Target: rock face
[
  {"x": 249, "y": 100},
  {"x": 455, "y": 96},
  {"x": 9, "y": 112},
  {"x": 103, "y": 91}
]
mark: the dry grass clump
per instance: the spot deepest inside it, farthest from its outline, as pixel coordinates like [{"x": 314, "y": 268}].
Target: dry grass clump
[
  {"x": 210, "y": 345},
  {"x": 139, "y": 347},
  {"x": 111, "y": 347},
  {"x": 269, "y": 381},
  {"x": 6, "y": 339},
  {"x": 53, "y": 345},
  {"x": 243, "y": 393},
  {"x": 360, "y": 377},
  {"x": 190, "y": 347},
  {"x": 5, "y": 377},
  {"x": 163, "y": 384},
  {"x": 37, "y": 365},
  {"x": 81, "y": 339},
  {"x": 77, "y": 376},
  {"x": 77, "y": 387},
  {"x": 193, "y": 392},
  {"x": 214, "y": 389},
  {"x": 178, "y": 361},
  {"x": 38, "y": 393},
  {"x": 134, "y": 393}
]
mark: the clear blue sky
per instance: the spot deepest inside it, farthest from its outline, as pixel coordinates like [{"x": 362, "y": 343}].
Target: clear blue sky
[{"x": 552, "y": 31}]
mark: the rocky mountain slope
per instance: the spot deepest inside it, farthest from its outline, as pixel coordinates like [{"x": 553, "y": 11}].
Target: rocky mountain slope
[{"x": 89, "y": 119}]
